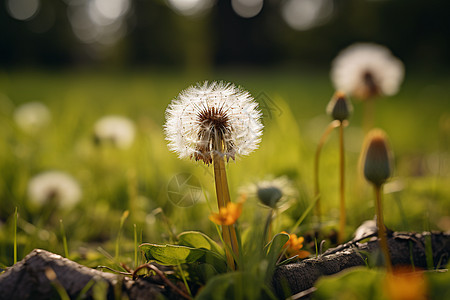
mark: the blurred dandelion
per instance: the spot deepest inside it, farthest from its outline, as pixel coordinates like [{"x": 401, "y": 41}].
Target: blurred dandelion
[
  {"x": 274, "y": 193},
  {"x": 366, "y": 71},
  {"x": 211, "y": 122},
  {"x": 116, "y": 130},
  {"x": 54, "y": 186},
  {"x": 32, "y": 117}
]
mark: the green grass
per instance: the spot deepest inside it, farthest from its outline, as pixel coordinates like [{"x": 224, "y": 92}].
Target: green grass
[{"x": 136, "y": 179}]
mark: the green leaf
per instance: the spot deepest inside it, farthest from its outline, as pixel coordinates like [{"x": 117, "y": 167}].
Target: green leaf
[
  {"x": 173, "y": 254},
  {"x": 276, "y": 244},
  {"x": 274, "y": 249},
  {"x": 353, "y": 283},
  {"x": 235, "y": 285},
  {"x": 196, "y": 239}
]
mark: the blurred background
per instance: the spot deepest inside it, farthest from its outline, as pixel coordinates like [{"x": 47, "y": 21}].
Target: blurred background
[
  {"x": 199, "y": 35},
  {"x": 77, "y": 61}
]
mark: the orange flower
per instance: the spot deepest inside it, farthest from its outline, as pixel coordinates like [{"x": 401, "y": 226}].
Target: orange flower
[
  {"x": 294, "y": 245},
  {"x": 404, "y": 284},
  {"x": 227, "y": 215}
]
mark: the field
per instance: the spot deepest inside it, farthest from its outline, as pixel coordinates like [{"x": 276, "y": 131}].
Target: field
[{"x": 140, "y": 179}]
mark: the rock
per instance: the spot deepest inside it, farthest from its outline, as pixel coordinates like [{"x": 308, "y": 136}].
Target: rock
[
  {"x": 298, "y": 277},
  {"x": 29, "y": 279}
]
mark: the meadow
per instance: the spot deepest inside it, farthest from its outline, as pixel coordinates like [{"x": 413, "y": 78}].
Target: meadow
[{"x": 139, "y": 179}]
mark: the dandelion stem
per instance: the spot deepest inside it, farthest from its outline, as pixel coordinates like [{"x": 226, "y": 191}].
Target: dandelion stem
[
  {"x": 322, "y": 141},
  {"x": 64, "y": 238},
  {"x": 136, "y": 246},
  {"x": 223, "y": 198},
  {"x": 268, "y": 227},
  {"x": 15, "y": 235},
  {"x": 381, "y": 229},
  {"x": 342, "y": 217}
]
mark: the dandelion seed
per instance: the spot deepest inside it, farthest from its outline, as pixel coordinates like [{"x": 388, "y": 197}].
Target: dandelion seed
[
  {"x": 117, "y": 130},
  {"x": 213, "y": 118},
  {"x": 54, "y": 186},
  {"x": 367, "y": 70},
  {"x": 32, "y": 117}
]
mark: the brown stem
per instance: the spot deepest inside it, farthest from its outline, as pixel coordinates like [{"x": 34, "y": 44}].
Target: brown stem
[
  {"x": 163, "y": 278},
  {"x": 342, "y": 217},
  {"x": 223, "y": 198},
  {"x": 381, "y": 229},
  {"x": 322, "y": 141}
]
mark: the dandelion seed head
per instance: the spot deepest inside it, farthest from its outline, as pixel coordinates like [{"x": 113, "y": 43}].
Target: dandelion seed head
[
  {"x": 54, "y": 186},
  {"x": 275, "y": 193},
  {"x": 210, "y": 118},
  {"x": 117, "y": 130},
  {"x": 366, "y": 70},
  {"x": 32, "y": 116}
]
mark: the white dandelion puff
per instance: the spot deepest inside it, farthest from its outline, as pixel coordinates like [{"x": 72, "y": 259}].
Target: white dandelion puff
[
  {"x": 55, "y": 186},
  {"x": 32, "y": 117},
  {"x": 117, "y": 130},
  {"x": 366, "y": 70},
  {"x": 213, "y": 118}
]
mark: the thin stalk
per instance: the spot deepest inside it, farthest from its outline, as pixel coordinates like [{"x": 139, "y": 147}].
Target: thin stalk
[
  {"x": 223, "y": 198},
  {"x": 381, "y": 229},
  {"x": 322, "y": 141},
  {"x": 64, "y": 238},
  {"x": 342, "y": 216},
  {"x": 15, "y": 235},
  {"x": 184, "y": 279},
  {"x": 136, "y": 246},
  {"x": 268, "y": 228},
  {"x": 122, "y": 221}
]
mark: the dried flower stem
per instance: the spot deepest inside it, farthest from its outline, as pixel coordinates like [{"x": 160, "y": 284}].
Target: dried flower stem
[
  {"x": 342, "y": 216},
  {"x": 381, "y": 229},
  {"x": 223, "y": 198},
  {"x": 322, "y": 141}
]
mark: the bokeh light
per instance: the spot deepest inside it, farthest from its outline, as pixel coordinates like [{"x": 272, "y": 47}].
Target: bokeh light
[
  {"x": 190, "y": 7},
  {"x": 247, "y": 8},
  {"x": 306, "y": 14},
  {"x": 99, "y": 21},
  {"x": 22, "y": 9}
]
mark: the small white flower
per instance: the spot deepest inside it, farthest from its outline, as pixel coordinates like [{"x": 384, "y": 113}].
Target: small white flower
[
  {"x": 32, "y": 116},
  {"x": 213, "y": 118},
  {"x": 366, "y": 70},
  {"x": 54, "y": 186},
  {"x": 117, "y": 130}
]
